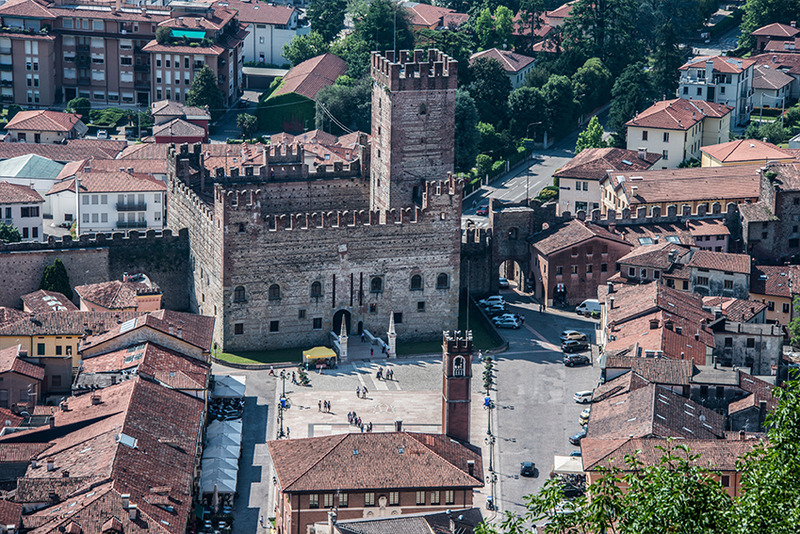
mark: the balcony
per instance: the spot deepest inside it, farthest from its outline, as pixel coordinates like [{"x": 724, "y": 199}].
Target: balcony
[
  {"x": 131, "y": 224},
  {"x": 139, "y": 84},
  {"x": 84, "y": 81},
  {"x": 83, "y": 61},
  {"x": 132, "y": 206},
  {"x": 141, "y": 68}
]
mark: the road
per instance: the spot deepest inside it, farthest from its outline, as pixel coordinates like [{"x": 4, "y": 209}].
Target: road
[
  {"x": 535, "y": 412},
  {"x": 728, "y": 41}
]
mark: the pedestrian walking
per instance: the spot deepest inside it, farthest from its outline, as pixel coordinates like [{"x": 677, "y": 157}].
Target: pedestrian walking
[
  {"x": 391, "y": 374},
  {"x": 329, "y": 406},
  {"x": 271, "y": 373},
  {"x": 362, "y": 427},
  {"x": 319, "y": 406},
  {"x": 363, "y": 337},
  {"x": 358, "y": 391},
  {"x": 287, "y": 432},
  {"x": 541, "y": 309},
  {"x": 365, "y": 392},
  {"x": 371, "y": 351},
  {"x": 522, "y": 319},
  {"x": 294, "y": 378}
]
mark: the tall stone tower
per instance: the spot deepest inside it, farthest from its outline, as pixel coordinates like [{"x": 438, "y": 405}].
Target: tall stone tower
[
  {"x": 413, "y": 124},
  {"x": 456, "y": 378}
]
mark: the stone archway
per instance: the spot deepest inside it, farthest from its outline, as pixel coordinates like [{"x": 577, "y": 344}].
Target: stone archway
[{"x": 337, "y": 321}]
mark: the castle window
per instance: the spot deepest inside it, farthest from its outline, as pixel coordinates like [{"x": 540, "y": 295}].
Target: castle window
[
  {"x": 316, "y": 289},
  {"x": 274, "y": 292},
  {"x": 421, "y": 306},
  {"x": 317, "y": 324},
  {"x": 274, "y": 326},
  {"x": 398, "y": 317},
  {"x": 241, "y": 228},
  {"x": 376, "y": 284},
  {"x": 442, "y": 281},
  {"x": 373, "y": 308},
  {"x": 423, "y": 109},
  {"x": 449, "y": 497},
  {"x": 239, "y": 294},
  {"x": 301, "y": 314},
  {"x": 238, "y": 329},
  {"x": 512, "y": 234},
  {"x": 394, "y": 498},
  {"x": 369, "y": 499},
  {"x": 458, "y": 366},
  {"x": 416, "y": 282}
]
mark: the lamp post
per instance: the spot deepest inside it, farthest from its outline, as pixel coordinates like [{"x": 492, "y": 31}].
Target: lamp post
[{"x": 281, "y": 407}]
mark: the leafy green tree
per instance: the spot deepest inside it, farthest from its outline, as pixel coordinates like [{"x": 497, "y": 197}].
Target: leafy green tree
[
  {"x": 484, "y": 28},
  {"x": 772, "y": 131},
  {"x": 355, "y": 51},
  {"x": 386, "y": 26},
  {"x": 591, "y": 137},
  {"x": 503, "y": 25},
  {"x": 667, "y": 59},
  {"x": 164, "y": 35},
  {"x": 204, "y": 92},
  {"x": 327, "y": 17},
  {"x": 13, "y": 109},
  {"x": 759, "y": 13},
  {"x": 81, "y": 106},
  {"x": 491, "y": 141},
  {"x": 530, "y": 12},
  {"x": 9, "y": 234},
  {"x": 305, "y": 47},
  {"x": 592, "y": 84},
  {"x": 247, "y": 124},
  {"x": 483, "y": 165},
  {"x": 526, "y": 107},
  {"x": 560, "y": 105},
  {"x": 631, "y": 94},
  {"x": 55, "y": 278},
  {"x": 490, "y": 88},
  {"x": 349, "y": 103},
  {"x": 467, "y": 136}
]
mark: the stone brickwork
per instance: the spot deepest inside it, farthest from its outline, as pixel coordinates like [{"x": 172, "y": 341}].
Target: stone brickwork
[{"x": 413, "y": 124}]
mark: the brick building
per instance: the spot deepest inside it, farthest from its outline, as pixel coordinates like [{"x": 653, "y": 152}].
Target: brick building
[{"x": 283, "y": 251}]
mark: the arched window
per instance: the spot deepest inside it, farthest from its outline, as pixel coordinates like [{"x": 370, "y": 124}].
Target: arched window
[
  {"x": 274, "y": 292},
  {"x": 423, "y": 109},
  {"x": 416, "y": 282},
  {"x": 458, "y": 366},
  {"x": 239, "y": 294},
  {"x": 442, "y": 281},
  {"x": 376, "y": 284},
  {"x": 316, "y": 289}
]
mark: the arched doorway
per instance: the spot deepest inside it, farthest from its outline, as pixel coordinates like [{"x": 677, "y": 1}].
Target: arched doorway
[
  {"x": 337, "y": 321},
  {"x": 512, "y": 272},
  {"x": 360, "y": 327}
]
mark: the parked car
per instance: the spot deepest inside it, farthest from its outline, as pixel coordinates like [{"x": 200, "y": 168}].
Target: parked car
[
  {"x": 574, "y": 346},
  {"x": 582, "y": 397},
  {"x": 576, "y": 453},
  {"x": 570, "y": 491},
  {"x": 571, "y": 360},
  {"x": 576, "y": 439},
  {"x": 102, "y": 134},
  {"x": 495, "y": 309},
  {"x": 503, "y": 282},
  {"x": 507, "y": 323},
  {"x": 573, "y": 334},
  {"x": 586, "y": 413},
  {"x": 482, "y": 210},
  {"x": 495, "y": 299},
  {"x": 527, "y": 469},
  {"x": 588, "y": 307}
]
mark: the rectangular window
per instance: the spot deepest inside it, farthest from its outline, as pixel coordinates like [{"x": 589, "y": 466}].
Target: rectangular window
[
  {"x": 603, "y": 267},
  {"x": 25, "y": 233},
  {"x": 59, "y": 348},
  {"x": 238, "y": 329},
  {"x": 644, "y": 135},
  {"x": 369, "y": 499},
  {"x": 421, "y": 306},
  {"x": 317, "y": 323},
  {"x": 126, "y": 60},
  {"x": 785, "y": 307},
  {"x": 273, "y": 326},
  {"x": 656, "y": 275},
  {"x": 394, "y": 498},
  {"x": 301, "y": 314},
  {"x": 631, "y": 272},
  {"x": 434, "y": 497},
  {"x": 327, "y": 500},
  {"x": 86, "y": 217},
  {"x": 665, "y": 154},
  {"x": 95, "y": 217},
  {"x": 29, "y": 211},
  {"x": 644, "y": 273},
  {"x": 95, "y": 199},
  {"x": 420, "y": 498},
  {"x": 666, "y": 137},
  {"x": 728, "y": 284},
  {"x": 725, "y": 479},
  {"x": 751, "y": 342},
  {"x": 398, "y": 317},
  {"x": 449, "y": 497},
  {"x": 702, "y": 280},
  {"x": 728, "y": 341},
  {"x": 104, "y": 217},
  {"x": 343, "y": 499},
  {"x": 34, "y": 232},
  {"x": 720, "y": 392},
  {"x": 313, "y": 500},
  {"x": 40, "y": 349},
  {"x": 588, "y": 267},
  {"x": 574, "y": 269}
]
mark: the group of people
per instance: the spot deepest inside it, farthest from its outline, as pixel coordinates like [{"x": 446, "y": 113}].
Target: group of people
[
  {"x": 325, "y": 406},
  {"x": 389, "y": 374},
  {"x": 355, "y": 420},
  {"x": 361, "y": 393}
]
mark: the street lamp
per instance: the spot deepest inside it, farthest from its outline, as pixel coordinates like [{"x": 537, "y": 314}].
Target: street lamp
[{"x": 282, "y": 406}]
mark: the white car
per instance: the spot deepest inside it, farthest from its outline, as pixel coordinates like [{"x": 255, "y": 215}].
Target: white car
[
  {"x": 102, "y": 134},
  {"x": 582, "y": 397},
  {"x": 507, "y": 323},
  {"x": 511, "y": 316},
  {"x": 490, "y": 301}
]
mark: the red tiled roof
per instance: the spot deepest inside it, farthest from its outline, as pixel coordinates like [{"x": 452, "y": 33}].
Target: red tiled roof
[
  {"x": 130, "y": 165},
  {"x": 25, "y": 8},
  {"x": 570, "y": 234},
  {"x": 654, "y": 370},
  {"x": 113, "y": 295},
  {"x": 171, "y": 108},
  {"x": 10, "y": 513},
  {"x": 511, "y": 62},
  {"x": 720, "y": 261},
  {"x": 124, "y": 14},
  {"x": 64, "y": 323},
  {"x": 42, "y": 301},
  {"x": 10, "y": 315},
  {"x": 791, "y": 46},
  {"x": 262, "y": 12},
  {"x": 109, "y": 182},
  {"x": 774, "y": 280},
  {"x": 73, "y": 149},
  {"x": 310, "y": 76},
  {"x": 155, "y": 46},
  {"x": 768, "y": 78},
  {"x": 656, "y": 256},
  {"x": 427, "y": 14},
  {"x": 736, "y": 310},
  {"x": 592, "y": 163},
  {"x": 217, "y": 21},
  {"x": 744, "y": 150},
  {"x": 789, "y": 63},
  {"x": 707, "y": 227},
  {"x": 43, "y": 120},
  {"x": 561, "y": 12},
  {"x": 723, "y": 64},
  {"x": 678, "y": 114},
  {"x": 18, "y": 194},
  {"x": 196, "y": 330},
  {"x": 10, "y": 362},
  {"x": 776, "y": 29},
  {"x": 374, "y": 461},
  {"x": 179, "y": 128}
]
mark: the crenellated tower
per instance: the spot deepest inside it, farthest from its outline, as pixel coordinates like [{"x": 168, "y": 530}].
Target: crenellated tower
[
  {"x": 456, "y": 389},
  {"x": 413, "y": 124}
]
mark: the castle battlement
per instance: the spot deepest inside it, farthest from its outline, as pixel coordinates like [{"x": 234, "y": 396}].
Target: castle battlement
[
  {"x": 457, "y": 342},
  {"x": 476, "y": 236},
  {"x": 626, "y": 216},
  {"x": 415, "y": 70},
  {"x": 95, "y": 240},
  {"x": 180, "y": 188}
]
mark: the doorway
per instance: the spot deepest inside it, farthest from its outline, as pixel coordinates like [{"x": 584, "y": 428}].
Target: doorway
[{"x": 337, "y": 321}]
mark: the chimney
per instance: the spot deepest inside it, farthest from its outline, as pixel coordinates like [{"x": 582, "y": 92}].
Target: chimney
[
  {"x": 610, "y": 287},
  {"x": 471, "y": 467},
  {"x": 653, "y": 324},
  {"x": 180, "y": 20},
  {"x": 52, "y": 422},
  {"x": 762, "y": 413},
  {"x": 133, "y": 512},
  {"x": 611, "y": 303},
  {"x": 180, "y": 332},
  {"x": 697, "y": 335},
  {"x": 642, "y": 152},
  {"x": 668, "y": 324},
  {"x": 64, "y": 406},
  {"x": 741, "y": 435},
  {"x": 125, "y": 277},
  {"x": 51, "y": 464},
  {"x": 96, "y": 398},
  {"x": 126, "y": 500},
  {"x": 793, "y": 24},
  {"x": 634, "y": 190},
  {"x": 398, "y": 425},
  {"x": 34, "y": 463}
]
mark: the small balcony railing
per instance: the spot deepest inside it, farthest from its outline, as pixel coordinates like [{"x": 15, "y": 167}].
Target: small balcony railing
[
  {"x": 131, "y": 224},
  {"x": 132, "y": 206}
]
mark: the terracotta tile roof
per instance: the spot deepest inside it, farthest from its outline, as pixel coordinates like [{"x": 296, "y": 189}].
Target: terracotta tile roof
[
  {"x": 10, "y": 315},
  {"x": 715, "y": 454},
  {"x": 130, "y": 165},
  {"x": 768, "y": 78},
  {"x": 707, "y": 227},
  {"x": 151, "y": 14},
  {"x": 374, "y": 461},
  {"x": 11, "y": 453},
  {"x": 677, "y": 114},
  {"x": 655, "y": 370},
  {"x": 109, "y": 182},
  {"x": 592, "y": 163},
  {"x": 428, "y": 15},
  {"x": 700, "y": 183},
  {"x": 758, "y": 391},
  {"x": 26, "y": 8},
  {"x": 788, "y": 63},
  {"x": 314, "y": 136},
  {"x": 10, "y": 513},
  {"x": 453, "y": 21},
  {"x": 736, "y": 310},
  {"x": 654, "y": 411},
  {"x": 776, "y": 29},
  {"x": 656, "y": 256},
  {"x": 511, "y": 62},
  {"x": 194, "y": 329},
  {"x": 644, "y": 234},
  {"x": 18, "y": 194},
  {"x": 171, "y": 108},
  {"x": 310, "y": 76},
  {"x": 11, "y": 363},
  {"x": 261, "y": 12},
  {"x": 73, "y": 149},
  {"x": 570, "y": 234},
  {"x": 774, "y": 280},
  {"x": 114, "y": 295},
  {"x": 744, "y": 150},
  {"x": 220, "y": 17},
  {"x": 720, "y": 261},
  {"x": 37, "y": 490},
  {"x": 756, "y": 212},
  {"x": 791, "y": 46},
  {"x": 42, "y": 301},
  {"x": 561, "y": 12},
  {"x": 678, "y": 342},
  {"x": 43, "y": 120},
  {"x": 65, "y": 323},
  {"x": 179, "y": 128},
  {"x": 9, "y": 419},
  {"x": 723, "y": 64},
  {"x": 625, "y": 383}
]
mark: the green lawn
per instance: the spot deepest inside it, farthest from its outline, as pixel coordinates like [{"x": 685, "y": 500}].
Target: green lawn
[
  {"x": 482, "y": 338},
  {"x": 262, "y": 356}
]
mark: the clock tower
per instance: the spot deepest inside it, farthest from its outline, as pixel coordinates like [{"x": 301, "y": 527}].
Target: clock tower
[{"x": 456, "y": 378}]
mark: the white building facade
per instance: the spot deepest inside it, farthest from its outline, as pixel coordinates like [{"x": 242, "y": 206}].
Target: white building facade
[
  {"x": 722, "y": 80},
  {"x": 21, "y": 207}
]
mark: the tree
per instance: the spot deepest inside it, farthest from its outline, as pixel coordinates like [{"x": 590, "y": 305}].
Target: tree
[
  {"x": 483, "y": 165},
  {"x": 592, "y": 84},
  {"x": 9, "y": 234},
  {"x": 667, "y": 59},
  {"x": 81, "y": 106},
  {"x": 327, "y": 17},
  {"x": 355, "y": 51},
  {"x": 204, "y": 92},
  {"x": 467, "y": 136},
  {"x": 591, "y": 137},
  {"x": 503, "y": 25},
  {"x": 772, "y": 131},
  {"x": 305, "y": 47},
  {"x": 247, "y": 123},
  {"x": 349, "y": 102},
  {"x": 55, "y": 278},
  {"x": 13, "y": 109},
  {"x": 164, "y": 35},
  {"x": 386, "y": 26},
  {"x": 560, "y": 105},
  {"x": 490, "y": 88},
  {"x": 526, "y": 108},
  {"x": 631, "y": 94},
  {"x": 484, "y": 28},
  {"x": 530, "y": 12}
]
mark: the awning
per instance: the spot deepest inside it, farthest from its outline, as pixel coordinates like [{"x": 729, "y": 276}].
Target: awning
[
  {"x": 223, "y": 479},
  {"x": 567, "y": 464},
  {"x": 232, "y": 429},
  {"x": 221, "y": 451},
  {"x": 189, "y": 34},
  {"x": 228, "y": 387},
  {"x": 318, "y": 353}
]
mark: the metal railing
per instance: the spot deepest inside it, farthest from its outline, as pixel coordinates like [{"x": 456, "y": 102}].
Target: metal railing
[
  {"x": 131, "y": 224},
  {"x": 131, "y": 206}
]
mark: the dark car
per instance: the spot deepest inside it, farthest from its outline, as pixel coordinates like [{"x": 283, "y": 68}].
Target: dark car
[
  {"x": 576, "y": 359},
  {"x": 527, "y": 469},
  {"x": 573, "y": 345},
  {"x": 482, "y": 210},
  {"x": 570, "y": 491},
  {"x": 576, "y": 439}
]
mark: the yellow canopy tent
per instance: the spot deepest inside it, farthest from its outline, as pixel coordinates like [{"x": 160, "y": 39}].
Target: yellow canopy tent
[{"x": 318, "y": 353}]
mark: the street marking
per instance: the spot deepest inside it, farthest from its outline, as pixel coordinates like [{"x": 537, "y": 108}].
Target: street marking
[{"x": 543, "y": 340}]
